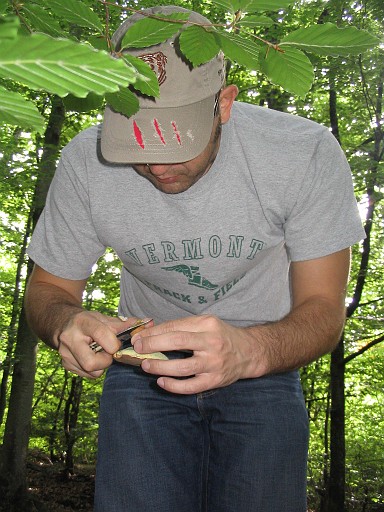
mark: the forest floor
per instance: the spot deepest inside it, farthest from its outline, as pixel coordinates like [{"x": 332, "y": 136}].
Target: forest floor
[
  {"x": 54, "y": 491},
  {"x": 57, "y": 492}
]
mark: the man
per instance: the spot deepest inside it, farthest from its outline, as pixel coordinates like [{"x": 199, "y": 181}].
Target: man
[{"x": 234, "y": 225}]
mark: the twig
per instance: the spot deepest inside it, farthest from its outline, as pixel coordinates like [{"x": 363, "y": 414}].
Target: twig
[
  {"x": 270, "y": 45},
  {"x": 363, "y": 349}
]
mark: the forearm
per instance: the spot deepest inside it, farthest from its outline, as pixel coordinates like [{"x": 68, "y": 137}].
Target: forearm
[
  {"x": 49, "y": 309},
  {"x": 308, "y": 332}
]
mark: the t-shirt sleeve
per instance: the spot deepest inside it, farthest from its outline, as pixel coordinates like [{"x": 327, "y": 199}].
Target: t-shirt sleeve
[
  {"x": 64, "y": 241},
  {"x": 324, "y": 218}
]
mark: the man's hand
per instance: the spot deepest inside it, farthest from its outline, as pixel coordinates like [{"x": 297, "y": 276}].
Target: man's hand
[
  {"x": 221, "y": 353},
  {"x": 84, "y": 328},
  {"x": 54, "y": 311}
]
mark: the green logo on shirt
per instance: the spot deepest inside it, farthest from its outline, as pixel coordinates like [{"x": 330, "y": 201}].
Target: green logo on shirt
[{"x": 193, "y": 275}]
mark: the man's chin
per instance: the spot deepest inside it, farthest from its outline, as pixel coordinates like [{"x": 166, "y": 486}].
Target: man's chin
[{"x": 175, "y": 187}]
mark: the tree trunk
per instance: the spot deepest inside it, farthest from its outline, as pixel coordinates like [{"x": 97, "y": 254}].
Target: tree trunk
[
  {"x": 335, "y": 499},
  {"x": 53, "y": 432},
  {"x": 324, "y": 490},
  {"x": 13, "y": 464},
  {"x": 71, "y": 415},
  {"x": 335, "y": 495},
  {"x": 16, "y": 306},
  {"x": 13, "y": 484},
  {"x": 336, "y": 484}
]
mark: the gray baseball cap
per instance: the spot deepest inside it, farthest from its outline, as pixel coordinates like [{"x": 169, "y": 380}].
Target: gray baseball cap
[{"x": 177, "y": 126}]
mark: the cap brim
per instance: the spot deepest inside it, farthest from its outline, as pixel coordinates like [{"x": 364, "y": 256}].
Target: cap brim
[{"x": 157, "y": 135}]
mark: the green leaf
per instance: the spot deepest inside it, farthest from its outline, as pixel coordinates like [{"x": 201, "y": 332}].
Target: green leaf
[
  {"x": 3, "y": 6},
  {"x": 9, "y": 27},
  {"x": 124, "y": 102},
  {"x": 16, "y": 110},
  {"x": 239, "y": 49},
  {"x": 75, "y": 11},
  {"x": 234, "y": 6},
  {"x": 150, "y": 31},
  {"x": 98, "y": 42},
  {"x": 61, "y": 66},
  {"x": 251, "y": 21},
  {"x": 227, "y": 5},
  {"x": 198, "y": 44},
  {"x": 41, "y": 20},
  {"x": 264, "y": 5},
  {"x": 91, "y": 102},
  {"x": 290, "y": 69},
  {"x": 146, "y": 80},
  {"x": 328, "y": 39}
]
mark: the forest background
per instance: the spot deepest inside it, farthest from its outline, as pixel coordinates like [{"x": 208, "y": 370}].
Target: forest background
[{"x": 315, "y": 58}]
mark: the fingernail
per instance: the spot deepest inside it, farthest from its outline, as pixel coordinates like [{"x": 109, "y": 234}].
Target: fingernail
[
  {"x": 145, "y": 365},
  {"x": 136, "y": 342}
]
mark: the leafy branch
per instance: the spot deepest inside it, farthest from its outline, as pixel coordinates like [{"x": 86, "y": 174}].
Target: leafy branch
[{"x": 37, "y": 50}]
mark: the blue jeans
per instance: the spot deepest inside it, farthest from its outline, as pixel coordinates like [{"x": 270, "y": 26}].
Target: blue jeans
[{"x": 242, "y": 448}]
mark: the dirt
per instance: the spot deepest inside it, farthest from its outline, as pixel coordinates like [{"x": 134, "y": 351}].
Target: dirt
[
  {"x": 59, "y": 492},
  {"x": 53, "y": 490}
]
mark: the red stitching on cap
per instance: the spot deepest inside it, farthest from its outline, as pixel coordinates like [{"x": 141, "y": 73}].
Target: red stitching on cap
[
  {"x": 158, "y": 130},
  {"x": 138, "y": 135},
  {"x": 175, "y": 129}
]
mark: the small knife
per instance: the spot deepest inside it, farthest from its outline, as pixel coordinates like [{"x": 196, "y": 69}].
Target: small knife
[{"x": 124, "y": 336}]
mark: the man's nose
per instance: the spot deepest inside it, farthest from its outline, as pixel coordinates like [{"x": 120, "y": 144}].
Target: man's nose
[{"x": 158, "y": 169}]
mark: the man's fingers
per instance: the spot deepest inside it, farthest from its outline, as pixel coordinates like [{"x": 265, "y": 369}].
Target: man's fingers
[
  {"x": 85, "y": 332},
  {"x": 190, "y": 386},
  {"x": 189, "y": 324},
  {"x": 183, "y": 367},
  {"x": 105, "y": 335},
  {"x": 73, "y": 368},
  {"x": 145, "y": 342},
  {"x": 82, "y": 358}
]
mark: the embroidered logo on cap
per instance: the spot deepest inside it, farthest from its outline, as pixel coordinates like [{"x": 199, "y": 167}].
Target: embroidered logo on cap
[{"x": 157, "y": 62}]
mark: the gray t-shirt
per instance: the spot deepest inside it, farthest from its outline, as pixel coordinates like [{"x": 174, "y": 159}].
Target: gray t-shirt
[{"x": 280, "y": 190}]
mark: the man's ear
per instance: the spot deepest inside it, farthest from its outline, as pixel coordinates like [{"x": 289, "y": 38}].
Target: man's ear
[{"x": 227, "y": 97}]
